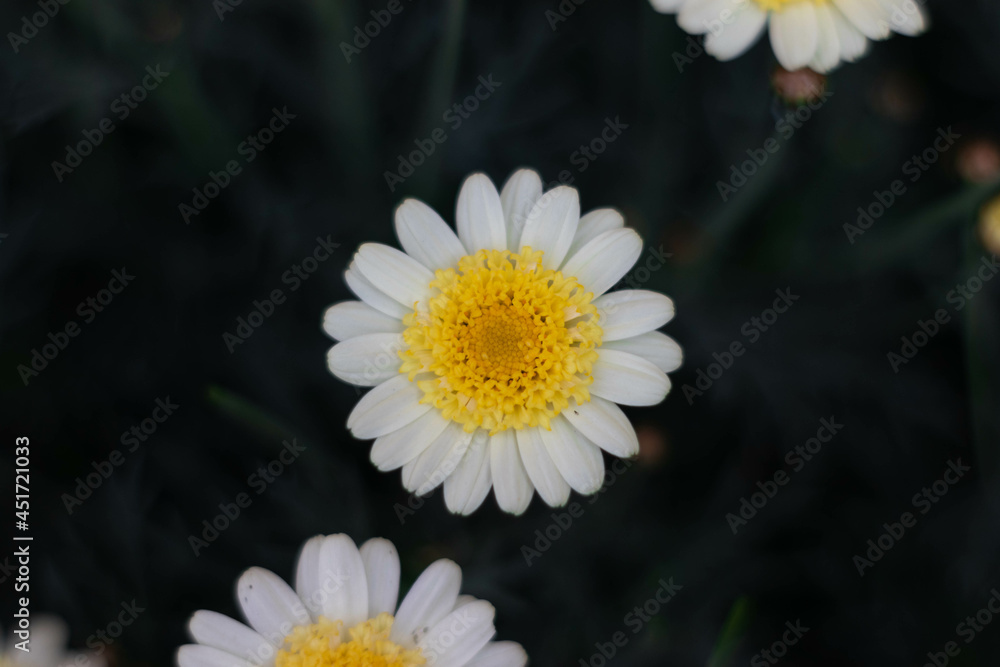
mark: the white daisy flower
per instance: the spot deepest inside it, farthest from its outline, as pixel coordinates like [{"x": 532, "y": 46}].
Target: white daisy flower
[
  {"x": 46, "y": 647},
  {"x": 342, "y": 613},
  {"x": 818, "y": 34},
  {"x": 497, "y": 355}
]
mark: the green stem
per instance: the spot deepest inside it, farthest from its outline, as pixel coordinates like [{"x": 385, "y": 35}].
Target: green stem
[
  {"x": 246, "y": 413},
  {"x": 732, "y": 632}
]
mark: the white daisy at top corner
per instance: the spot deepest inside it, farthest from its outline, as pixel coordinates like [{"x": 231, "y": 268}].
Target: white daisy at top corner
[
  {"x": 819, "y": 34},
  {"x": 498, "y": 355},
  {"x": 45, "y": 646},
  {"x": 343, "y": 613}
]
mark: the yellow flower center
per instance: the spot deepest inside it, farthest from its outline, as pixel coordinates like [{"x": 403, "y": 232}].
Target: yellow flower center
[
  {"x": 505, "y": 343},
  {"x": 989, "y": 226},
  {"x": 323, "y": 644},
  {"x": 778, "y": 5}
]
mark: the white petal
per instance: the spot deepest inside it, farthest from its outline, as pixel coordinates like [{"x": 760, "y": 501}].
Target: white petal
[
  {"x": 905, "y": 16},
  {"x": 551, "y": 225},
  {"x": 656, "y": 347},
  {"x": 628, "y": 313},
  {"x": 468, "y": 486},
  {"x": 366, "y": 360},
  {"x": 794, "y": 34},
  {"x": 603, "y": 423},
  {"x": 865, "y": 15},
  {"x": 578, "y": 460},
  {"x": 49, "y": 635},
  {"x": 394, "y": 273},
  {"x": 270, "y": 605},
  {"x": 700, "y": 16},
  {"x": 386, "y": 408},
  {"x": 407, "y": 473},
  {"x": 371, "y": 295},
  {"x": 426, "y": 237},
  {"x": 355, "y": 318},
  {"x": 463, "y": 600},
  {"x": 430, "y": 599},
  {"x": 605, "y": 260},
  {"x": 457, "y": 638},
  {"x": 401, "y": 446},
  {"x": 733, "y": 39},
  {"x": 193, "y": 655},
  {"x": 436, "y": 463},
  {"x": 667, "y": 6},
  {"x": 511, "y": 485},
  {"x": 544, "y": 474},
  {"x": 828, "y": 50},
  {"x": 596, "y": 222},
  {"x": 853, "y": 44},
  {"x": 500, "y": 654},
  {"x": 307, "y": 582},
  {"x": 213, "y": 629},
  {"x": 382, "y": 572},
  {"x": 518, "y": 195},
  {"x": 479, "y": 215},
  {"x": 628, "y": 380},
  {"x": 343, "y": 584}
]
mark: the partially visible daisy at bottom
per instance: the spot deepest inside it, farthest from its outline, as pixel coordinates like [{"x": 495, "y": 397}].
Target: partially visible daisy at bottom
[
  {"x": 46, "y": 647},
  {"x": 499, "y": 354},
  {"x": 343, "y": 612},
  {"x": 819, "y": 34}
]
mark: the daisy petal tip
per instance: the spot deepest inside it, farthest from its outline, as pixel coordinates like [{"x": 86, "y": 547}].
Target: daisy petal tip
[
  {"x": 342, "y": 539},
  {"x": 194, "y": 623},
  {"x": 479, "y": 611},
  {"x": 592, "y": 487},
  {"x": 514, "y": 654},
  {"x": 252, "y": 574},
  {"x": 559, "y": 502},
  {"x": 514, "y": 505},
  {"x": 408, "y": 202},
  {"x": 478, "y": 185},
  {"x": 666, "y": 6},
  {"x": 525, "y": 173},
  {"x": 379, "y": 543}
]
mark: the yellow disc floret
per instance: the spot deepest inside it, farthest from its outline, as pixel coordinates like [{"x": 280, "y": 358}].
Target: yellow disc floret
[
  {"x": 323, "y": 644},
  {"x": 778, "y": 5},
  {"x": 505, "y": 343}
]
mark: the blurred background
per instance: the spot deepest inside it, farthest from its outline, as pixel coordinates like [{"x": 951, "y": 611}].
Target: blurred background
[{"x": 125, "y": 275}]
